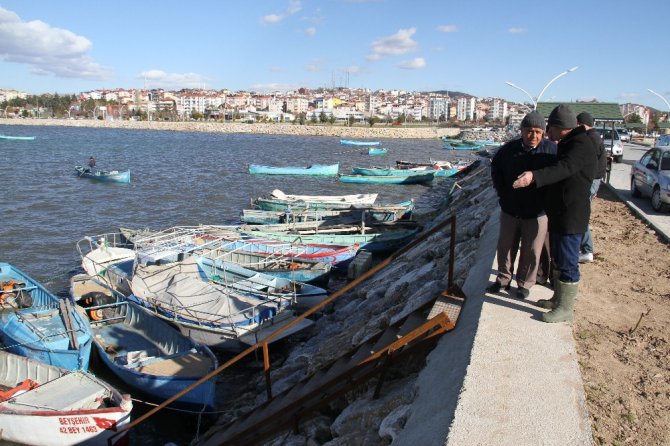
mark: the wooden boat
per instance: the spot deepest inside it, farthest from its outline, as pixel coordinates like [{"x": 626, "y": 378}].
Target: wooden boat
[
  {"x": 377, "y": 151},
  {"x": 273, "y": 204},
  {"x": 142, "y": 350},
  {"x": 465, "y": 145},
  {"x": 351, "y": 199},
  {"x": 349, "y": 142},
  {"x": 387, "y": 171},
  {"x": 314, "y": 169},
  {"x": 373, "y": 239},
  {"x": 420, "y": 178},
  {"x": 263, "y": 286},
  {"x": 107, "y": 176},
  {"x": 37, "y": 324},
  {"x": 54, "y": 406},
  {"x": 441, "y": 168},
  {"x": 381, "y": 213},
  {"x": 207, "y": 312},
  {"x": 18, "y": 138}
]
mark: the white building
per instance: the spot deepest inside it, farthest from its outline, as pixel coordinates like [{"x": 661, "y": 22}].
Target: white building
[
  {"x": 438, "y": 106},
  {"x": 465, "y": 109}
]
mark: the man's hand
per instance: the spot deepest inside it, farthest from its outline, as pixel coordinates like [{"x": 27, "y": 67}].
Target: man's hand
[{"x": 523, "y": 180}]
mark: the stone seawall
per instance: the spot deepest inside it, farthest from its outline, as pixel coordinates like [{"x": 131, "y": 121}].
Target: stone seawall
[{"x": 367, "y": 132}]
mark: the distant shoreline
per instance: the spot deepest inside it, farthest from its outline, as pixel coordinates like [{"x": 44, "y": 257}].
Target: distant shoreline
[{"x": 257, "y": 128}]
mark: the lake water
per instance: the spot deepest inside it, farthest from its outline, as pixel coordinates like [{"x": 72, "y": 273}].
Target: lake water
[{"x": 177, "y": 179}]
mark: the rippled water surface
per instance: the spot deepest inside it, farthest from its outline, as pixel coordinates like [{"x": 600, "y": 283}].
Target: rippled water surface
[{"x": 177, "y": 179}]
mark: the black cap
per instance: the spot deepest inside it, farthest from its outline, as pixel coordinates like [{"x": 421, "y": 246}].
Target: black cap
[
  {"x": 533, "y": 120},
  {"x": 585, "y": 118},
  {"x": 562, "y": 117}
]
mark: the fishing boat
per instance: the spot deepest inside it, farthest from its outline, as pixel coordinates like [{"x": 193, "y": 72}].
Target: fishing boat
[
  {"x": 142, "y": 350},
  {"x": 377, "y": 151},
  {"x": 441, "y": 168},
  {"x": 419, "y": 178},
  {"x": 274, "y": 204},
  {"x": 349, "y": 142},
  {"x": 264, "y": 286},
  {"x": 371, "y": 239},
  {"x": 314, "y": 169},
  {"x": 464, "y": 145},
  {"x": 37, "y": 324},
  {"x": 379, "y": 213},
  {"x": 351, "y": 199},
  {"x": 387, "y": 171},
  {"x": 207, "y": 312},
  {"x": 43, "y": 404},
  {"x": 17, "y": 138},
  {"x": 106, "y": 176}
]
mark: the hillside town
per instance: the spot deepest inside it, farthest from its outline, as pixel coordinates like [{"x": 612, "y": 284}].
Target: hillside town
[{"x": 335, "y": 105}]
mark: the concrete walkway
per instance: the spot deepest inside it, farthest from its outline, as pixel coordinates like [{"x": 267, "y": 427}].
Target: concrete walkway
[{"x": 503, "y": 377}]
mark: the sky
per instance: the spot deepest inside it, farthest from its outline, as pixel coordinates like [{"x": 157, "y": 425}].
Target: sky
[{"x": 474, "y": 47}]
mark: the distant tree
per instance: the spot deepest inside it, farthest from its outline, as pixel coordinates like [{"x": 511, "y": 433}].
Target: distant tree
[
  {"x": 351, "y": 120},
  {"x": 323, "y": 118},
  {"x": 372, "y": 120},
  {"x": 442, "y": 118},
  {"x": 313, "y": 119},
  {"x": 302, "y": 117},
  {"x": 633, "y": 118},
  {"x": 331, "y": 119},
  {"x": 196, "y": 115}
]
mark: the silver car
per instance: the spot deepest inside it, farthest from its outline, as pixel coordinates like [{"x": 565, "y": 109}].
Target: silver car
[
  {"x": 612, "y": 143},
  {"x": 650, "y": 176}
]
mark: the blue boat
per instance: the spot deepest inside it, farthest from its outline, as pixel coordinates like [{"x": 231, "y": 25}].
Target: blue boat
[
  {"x": 107, "y": 176},
  {"x": 462, "y": 146},
  {"x": 314, "y": 169},
  {"x": 17, "y": 138},
  {"x": 142, "y": 350},
  {"x": 377, "y": 151},
  {"x": 37, "y": 324},
  {"x": 349, "y": 142},
  {"x": 421, "y": 178},
  {"x": 387, "y": 171}
]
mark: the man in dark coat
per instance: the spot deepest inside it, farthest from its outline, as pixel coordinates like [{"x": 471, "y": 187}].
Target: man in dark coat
[
  {"x": 568, "y": 206},
  {"x": 523, "y": 221},
  {"x": 584, "y": 119}
]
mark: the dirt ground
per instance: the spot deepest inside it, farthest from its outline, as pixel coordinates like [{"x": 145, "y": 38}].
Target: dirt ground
[{"x": 622, "y": 330}]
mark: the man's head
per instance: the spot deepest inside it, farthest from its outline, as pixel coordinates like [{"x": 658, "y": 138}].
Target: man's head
[
  {"x": 532, "y": 129},
  {"x": 561, "y": 122},
  {"x": 585, "y": 119}
]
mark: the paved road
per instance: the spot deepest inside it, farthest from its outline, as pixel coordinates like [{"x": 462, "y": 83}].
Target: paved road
[{"x": 620, "y": 181}]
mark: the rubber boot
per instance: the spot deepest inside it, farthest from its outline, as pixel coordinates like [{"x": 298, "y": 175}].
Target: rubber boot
[
  {"x": 566, "y": 303},
  {"x": 550, "y": 304}
]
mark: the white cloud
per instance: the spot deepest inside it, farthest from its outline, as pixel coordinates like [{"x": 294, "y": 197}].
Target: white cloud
[
  {"x": 516, "y": 30},
  {"x": 313, "y": 67},
  {"x": 414, "y": 64},
  {"x": 294, "y": 6},
  {"x": 171, "y": 81},
  {"x": 48, "y": 51},
  {"x": 447, "y": 28},
  {"x": 394, "y": 45},
  {"x": 310, "y": 31}
]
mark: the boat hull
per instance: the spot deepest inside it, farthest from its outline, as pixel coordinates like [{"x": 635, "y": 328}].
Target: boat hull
[
  {"x": 113, "y": 176},
  {"x": 349, "y": 142},
  {"x": 315, "y": 169},
  {"x": 421, "y": 178}
]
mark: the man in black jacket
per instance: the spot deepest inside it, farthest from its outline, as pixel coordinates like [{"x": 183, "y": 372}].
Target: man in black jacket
[
  {"x": 568, "y": 185},
  {"x": 523, "y": 221},
  {"x": 584, "y": 119}
]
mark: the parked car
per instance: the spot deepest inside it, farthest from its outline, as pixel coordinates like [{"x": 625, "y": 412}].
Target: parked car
[
  {"x": 624, "y": 135},
  {"x": 650, "y": 176},
  {"x": 612, "y": 143}
]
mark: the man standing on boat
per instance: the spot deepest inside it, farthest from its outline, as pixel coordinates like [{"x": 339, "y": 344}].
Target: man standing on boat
[
  {"x": 91, "y": 164},
  {"x": 523, "y": 222}
]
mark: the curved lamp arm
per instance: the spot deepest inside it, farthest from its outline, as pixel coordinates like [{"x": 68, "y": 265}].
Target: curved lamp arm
[
  {"x": 532, "y": 99},
  {"x": 558, "y": 76},
  {"x": 664, "y": 100}
]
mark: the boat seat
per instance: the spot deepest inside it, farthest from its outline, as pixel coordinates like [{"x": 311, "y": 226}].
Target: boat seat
[{"x": 71, "y": 391}]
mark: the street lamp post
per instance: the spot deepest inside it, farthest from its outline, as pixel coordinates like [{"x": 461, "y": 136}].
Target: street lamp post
[{"x": 537, "y": 99}]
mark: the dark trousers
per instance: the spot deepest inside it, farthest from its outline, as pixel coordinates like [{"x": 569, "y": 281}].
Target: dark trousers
[
  {"x": 527, "y": 235},
  {"x": 565, "y": 252}
]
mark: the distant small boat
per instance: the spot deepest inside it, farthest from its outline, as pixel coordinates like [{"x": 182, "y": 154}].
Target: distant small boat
[
  {"x": 465, "y": 145},
  {"x": 17, "y": 138},
  {"x": 420, "y": 178},
  {"x": 349, "y": 142},
  {"x": 37, "y": 324},
  {"x": 314, "y": 169},
  {"x": 111, "y": 176},
  {"x": 376, "y": 151},
  {"x": 42, "y": 404}
]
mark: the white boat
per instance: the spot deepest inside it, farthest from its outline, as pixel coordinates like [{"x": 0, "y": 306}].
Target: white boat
[
  {"x": 207, "y": 312},
  {"x": 53, "y": 406},
  {"x": 352, "y": 199}
]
